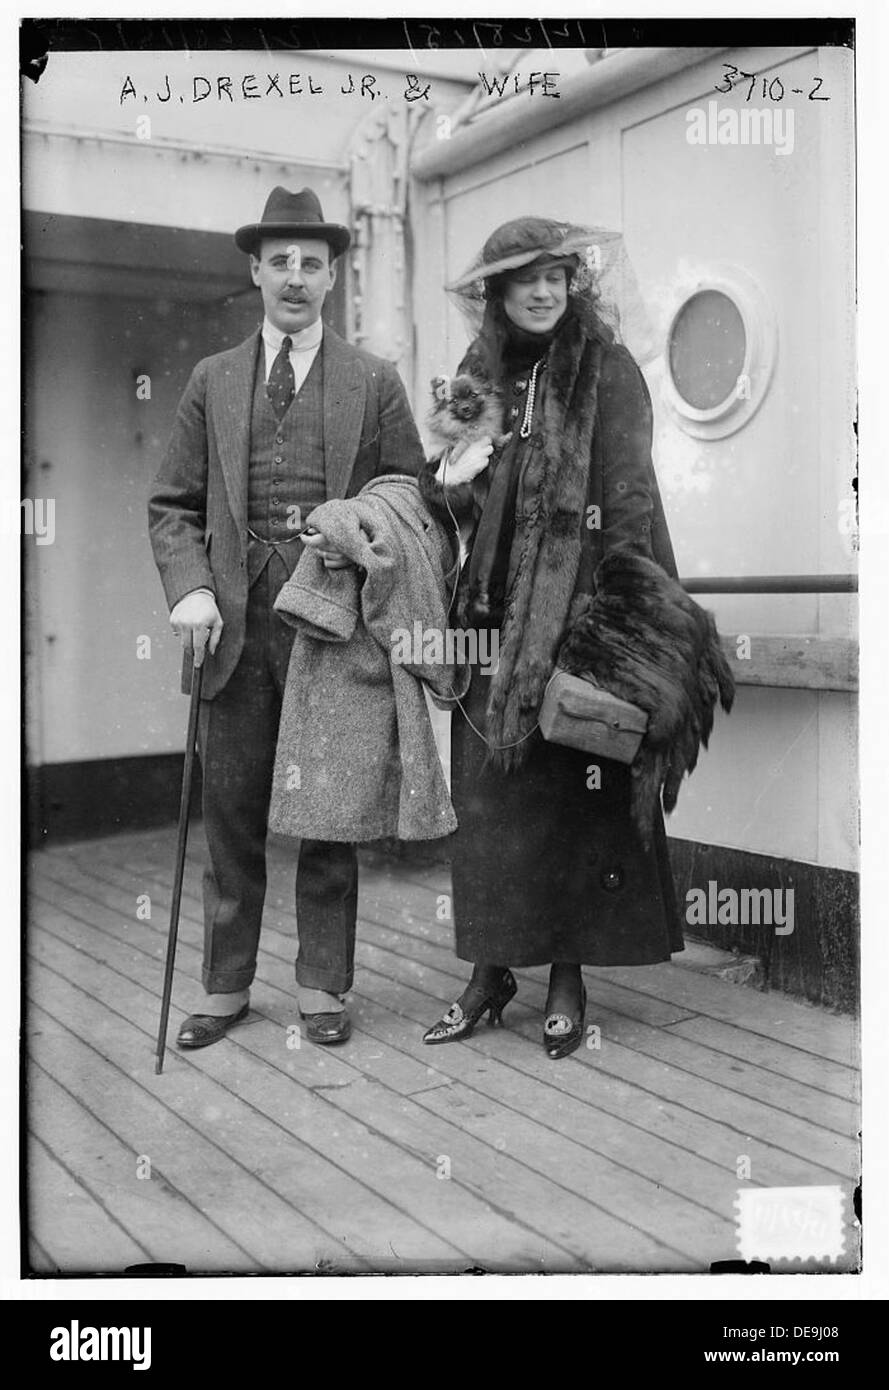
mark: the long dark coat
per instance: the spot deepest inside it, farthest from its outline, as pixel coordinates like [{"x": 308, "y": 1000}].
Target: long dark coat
[{"x": 545, "y": 867}]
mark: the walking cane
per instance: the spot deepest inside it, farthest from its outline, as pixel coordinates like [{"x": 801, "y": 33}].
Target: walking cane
[{"x": 184, "y": 801}]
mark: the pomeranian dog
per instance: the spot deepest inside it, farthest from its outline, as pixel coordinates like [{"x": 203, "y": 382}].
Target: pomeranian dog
[{"x": 466, "y": 408}]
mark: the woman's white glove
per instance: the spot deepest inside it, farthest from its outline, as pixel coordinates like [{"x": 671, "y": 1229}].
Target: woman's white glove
[{"x": 465, "y": 462}]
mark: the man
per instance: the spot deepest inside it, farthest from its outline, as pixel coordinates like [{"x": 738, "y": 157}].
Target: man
[{"x": 264, "y": 433}]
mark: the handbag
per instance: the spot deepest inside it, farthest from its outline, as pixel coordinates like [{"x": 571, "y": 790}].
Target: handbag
[{"x": 580, "y": 714}]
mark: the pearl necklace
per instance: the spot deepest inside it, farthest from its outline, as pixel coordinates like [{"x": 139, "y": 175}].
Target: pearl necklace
[{"x": 525, "y": 431}]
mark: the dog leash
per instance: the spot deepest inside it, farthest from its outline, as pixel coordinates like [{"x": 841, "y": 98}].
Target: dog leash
[{"x": 458, "y": 567}]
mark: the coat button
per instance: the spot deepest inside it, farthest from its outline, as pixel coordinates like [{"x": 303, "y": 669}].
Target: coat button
[
  {"x": 279, "y": 439},
  {"x": 519, "y": 387},
  {"x": 278, "y": 459},
  {"x": 514, "y": 413},
  {"x": 612, "y": 879}
]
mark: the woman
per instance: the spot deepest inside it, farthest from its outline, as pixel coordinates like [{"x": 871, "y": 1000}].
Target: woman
[{"x": 547, "y": 865}]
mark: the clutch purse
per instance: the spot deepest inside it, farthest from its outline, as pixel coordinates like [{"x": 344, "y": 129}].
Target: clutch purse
[{"x": 580, "y": 714}]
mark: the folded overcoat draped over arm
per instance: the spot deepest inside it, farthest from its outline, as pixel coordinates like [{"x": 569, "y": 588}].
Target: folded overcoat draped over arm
[{"x": 357, "y": 758}]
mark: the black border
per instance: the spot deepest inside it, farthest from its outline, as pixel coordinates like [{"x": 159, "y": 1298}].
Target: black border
[{"x": 41, "y": 36}]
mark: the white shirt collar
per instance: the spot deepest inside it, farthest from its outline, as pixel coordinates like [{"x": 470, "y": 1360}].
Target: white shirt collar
[{"x": 303, "y": 341}]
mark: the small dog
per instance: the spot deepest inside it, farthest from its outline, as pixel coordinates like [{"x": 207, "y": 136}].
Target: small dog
[{"x": 467, "y": 408}]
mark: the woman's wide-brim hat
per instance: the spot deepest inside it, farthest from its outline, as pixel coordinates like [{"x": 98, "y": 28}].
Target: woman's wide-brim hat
[
  {"x": 522, "y": 241},
  {"x": 293, "y": 214},
  {"x": 600, "y": 275}
]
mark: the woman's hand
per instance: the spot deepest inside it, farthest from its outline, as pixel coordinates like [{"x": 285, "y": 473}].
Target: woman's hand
[
  {"x": 333, "y": 559},
  {"x": 461, "y": 466}
]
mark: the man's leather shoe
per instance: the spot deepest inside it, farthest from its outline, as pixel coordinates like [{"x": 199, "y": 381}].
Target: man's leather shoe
[
  {"x": 200, "y": 1030},
  {"x": 327, "y": 1028}
]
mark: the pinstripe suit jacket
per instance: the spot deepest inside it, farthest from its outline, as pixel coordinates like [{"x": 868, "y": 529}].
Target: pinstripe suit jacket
[{"x": 198, "y": 508}]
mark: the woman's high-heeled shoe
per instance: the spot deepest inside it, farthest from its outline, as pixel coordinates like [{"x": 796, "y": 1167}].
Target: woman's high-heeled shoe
[
  {"x": 560, "y": 1041},
  {"x": 459, "y": 1022}
]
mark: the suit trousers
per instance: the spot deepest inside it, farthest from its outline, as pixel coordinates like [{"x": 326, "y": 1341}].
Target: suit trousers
[{"x": 237, "y": 735}]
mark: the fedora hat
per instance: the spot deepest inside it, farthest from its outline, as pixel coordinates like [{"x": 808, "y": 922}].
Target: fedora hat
[{"x": 292, "y": 214}]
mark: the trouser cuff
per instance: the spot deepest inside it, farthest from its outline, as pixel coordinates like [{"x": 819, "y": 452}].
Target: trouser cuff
[
  {"x": 227, "y": 981},
  {"x": 313, "y": 978}
]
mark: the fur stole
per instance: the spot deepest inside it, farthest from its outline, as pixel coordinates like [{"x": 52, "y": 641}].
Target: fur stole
[
  {"x": 547, "y": 545},
  {"x": 645, "y": 640}
]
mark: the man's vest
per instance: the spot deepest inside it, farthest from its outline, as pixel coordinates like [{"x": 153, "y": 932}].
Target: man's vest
[{"x": 286, "y": 478}]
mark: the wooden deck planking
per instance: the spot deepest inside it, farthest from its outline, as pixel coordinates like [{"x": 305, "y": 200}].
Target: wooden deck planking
[
  {"x": 619, "y": 1158},
  {"x": 801, "y": 1137},
  {"x": 709, "y": 1100},
  {"x": 777, "y": 1059},
  {"x": 68, "y": 1222},
  {"x": 334, "y": 1088},
  {"x": 287, "y": 1004},
  {"x": 658, "y": 1042},
  {"x": 727, "y": 1124},
  {"x": 39, "y": 1261},
  {"x": 171, "y": 1226},
  {"x": 183, "y": 1143},
  {"x": 777, "y": 1054},
  {"x": 298, "y": 1121},
  {"x": 422, "y": 1079},
  {"x": 804, "y": 1025}
]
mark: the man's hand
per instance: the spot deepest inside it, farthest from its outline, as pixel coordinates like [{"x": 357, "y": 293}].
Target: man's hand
[
  {"x": 196, "y": 619},
  {"x": 463, "y": 465},
  {"x": 333, "y": 559}
]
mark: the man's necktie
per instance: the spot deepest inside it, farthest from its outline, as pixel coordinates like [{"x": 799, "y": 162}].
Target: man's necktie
[{"x": 280, "y": 386}]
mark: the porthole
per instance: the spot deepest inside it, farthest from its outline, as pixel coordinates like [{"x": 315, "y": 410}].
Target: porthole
[
  {"x": 719, "y": 352},
  {"x": 707, "y": 349}
]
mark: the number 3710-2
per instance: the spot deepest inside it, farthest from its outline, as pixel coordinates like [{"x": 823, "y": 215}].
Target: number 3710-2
[{"x": 772, "y": 90}]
